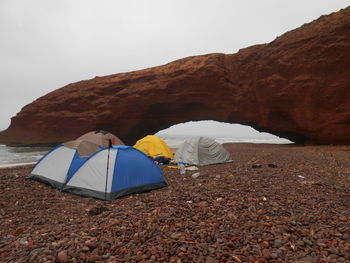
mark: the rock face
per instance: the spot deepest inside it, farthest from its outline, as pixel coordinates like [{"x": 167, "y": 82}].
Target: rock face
[{"x": 297, "y": 87}]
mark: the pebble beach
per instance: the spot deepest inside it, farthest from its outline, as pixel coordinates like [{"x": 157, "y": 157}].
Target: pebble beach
[{"x": 273, "y": 203}]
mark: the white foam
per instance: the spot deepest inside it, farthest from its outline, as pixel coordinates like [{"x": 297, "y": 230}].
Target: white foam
[
  {"x": 15, "y": 165},
  {"x": 15, "y": 156}
]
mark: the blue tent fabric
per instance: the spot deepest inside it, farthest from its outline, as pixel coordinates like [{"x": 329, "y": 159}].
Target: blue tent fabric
[
  {"x": 77, "y": 162},
  {"x": 132, "y": 172},
  {"x": 134, "y": 168}
]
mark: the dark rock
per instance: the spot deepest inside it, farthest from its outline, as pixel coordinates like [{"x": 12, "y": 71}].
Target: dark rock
[
  {"x": 97, "y": 210},
  {"x": 307, "y": 241},
  {"x": 281, "y": 252},
  {"x": 278, "y": 242},
  {"x": 300, "y": 243}
]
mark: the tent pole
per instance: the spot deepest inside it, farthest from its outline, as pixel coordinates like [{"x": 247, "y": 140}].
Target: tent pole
[{"x": 109, "y": 148}]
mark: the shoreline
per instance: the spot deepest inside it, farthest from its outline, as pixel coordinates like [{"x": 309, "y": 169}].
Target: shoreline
[
  {"x": 296, "y": 209},
  {"x": 3, "y": 166}
]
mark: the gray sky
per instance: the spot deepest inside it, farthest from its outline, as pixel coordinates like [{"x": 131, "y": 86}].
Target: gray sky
[{"x": 47, "y": 44}]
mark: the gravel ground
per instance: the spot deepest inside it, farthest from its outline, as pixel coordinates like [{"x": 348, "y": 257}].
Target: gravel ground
[{"x": 273, "y": 203}]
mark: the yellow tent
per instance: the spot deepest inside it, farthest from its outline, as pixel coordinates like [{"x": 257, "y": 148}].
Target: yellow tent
[{"x": 154, "y": 146}]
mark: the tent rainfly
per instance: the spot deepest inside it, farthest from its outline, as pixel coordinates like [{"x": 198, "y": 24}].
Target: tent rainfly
[
  {"x": 101, "y": 137},
  {"x": 202, "y": 151}
]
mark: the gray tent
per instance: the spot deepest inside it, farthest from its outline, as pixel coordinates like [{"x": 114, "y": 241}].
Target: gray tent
[{"x": 202, "y": 151}]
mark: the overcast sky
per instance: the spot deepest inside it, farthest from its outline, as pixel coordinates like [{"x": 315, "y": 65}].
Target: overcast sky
[
  {"x": 228, "y": 130},
  {"x": 47, "y": 44}
]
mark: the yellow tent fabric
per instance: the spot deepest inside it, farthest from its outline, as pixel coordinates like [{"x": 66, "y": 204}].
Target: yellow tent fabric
[{"x": 154, "y": 146}]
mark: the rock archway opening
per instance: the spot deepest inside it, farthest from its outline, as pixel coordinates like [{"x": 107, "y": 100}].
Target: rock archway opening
[{"x": 222, "y": 132}]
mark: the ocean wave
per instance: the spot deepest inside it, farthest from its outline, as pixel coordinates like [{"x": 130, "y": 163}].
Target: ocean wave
[
  {"x": 15, "y": 164},
  {"x": 10, "y": 156}
]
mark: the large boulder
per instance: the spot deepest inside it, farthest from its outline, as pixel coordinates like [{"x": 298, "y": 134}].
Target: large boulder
[{"x": 296, "y": 87}]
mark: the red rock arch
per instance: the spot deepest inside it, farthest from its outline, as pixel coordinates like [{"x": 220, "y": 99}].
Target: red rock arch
[{"x": 296, "y": 87}]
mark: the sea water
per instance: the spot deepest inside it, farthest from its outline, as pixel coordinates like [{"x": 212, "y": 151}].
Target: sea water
[{"x": 11, "y": 156}]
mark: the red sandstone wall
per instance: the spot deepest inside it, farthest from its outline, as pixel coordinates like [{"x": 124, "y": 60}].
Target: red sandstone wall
[{"x": 297, "y": 87}]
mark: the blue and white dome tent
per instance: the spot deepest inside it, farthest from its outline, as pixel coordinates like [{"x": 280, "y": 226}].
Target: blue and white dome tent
[{"x": 86, "y": 169}]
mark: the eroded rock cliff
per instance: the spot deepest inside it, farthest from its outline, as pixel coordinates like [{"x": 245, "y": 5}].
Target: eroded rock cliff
[{"x": 297, "y": 87}]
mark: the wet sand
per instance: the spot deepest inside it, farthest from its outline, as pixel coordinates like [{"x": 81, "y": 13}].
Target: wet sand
[{"x": 295, "y": 207}]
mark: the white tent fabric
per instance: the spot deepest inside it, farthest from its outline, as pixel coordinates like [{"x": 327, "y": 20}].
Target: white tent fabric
[
  {"x": 61, "y": 161},
  {"x": 93, "y": 173},
  {"x": 202, "y": 151}
]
